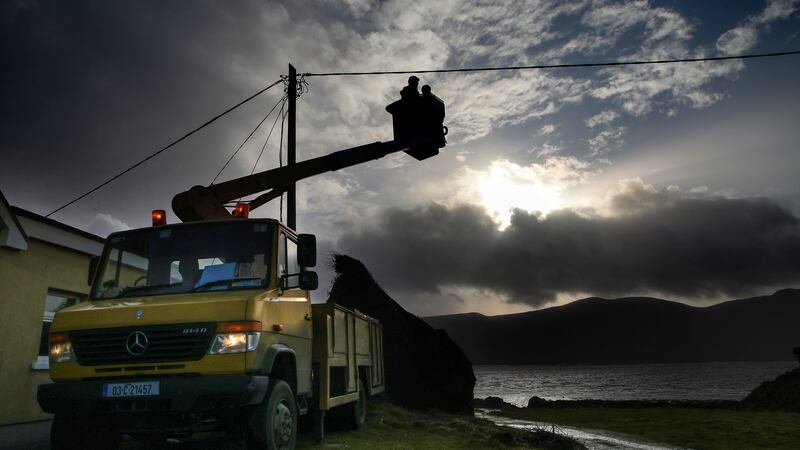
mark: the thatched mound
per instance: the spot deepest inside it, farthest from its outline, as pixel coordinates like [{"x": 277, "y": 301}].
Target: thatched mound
[
  {"x": 424, "y": 367},
  {"x": 782, "y": 394}
]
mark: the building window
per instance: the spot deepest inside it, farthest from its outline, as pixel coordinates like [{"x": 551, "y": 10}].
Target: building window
[{"x": 54, "y": 301}]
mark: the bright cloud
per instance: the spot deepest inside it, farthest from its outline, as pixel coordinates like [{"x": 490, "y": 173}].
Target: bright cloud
[
  {"x": 545, "y": 130},
  {"x": 602, "y": 118},
  {"x": 745, "y": 36},
  {"x": 545, "y": 150},
  {"x": 103, "y": 224},
  {"x": 606, "y": 141}
]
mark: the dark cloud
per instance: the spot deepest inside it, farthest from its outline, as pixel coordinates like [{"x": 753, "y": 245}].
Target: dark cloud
[
  {"x": 90, "y": 88},
  {"x": 652, "y": 242}
]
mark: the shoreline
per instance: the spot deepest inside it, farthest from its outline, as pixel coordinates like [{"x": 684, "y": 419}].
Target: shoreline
[
  {"x": 594, "y": 439},
  {"x": 498, "y": 403},
  {"x": 654, "y": 424}
]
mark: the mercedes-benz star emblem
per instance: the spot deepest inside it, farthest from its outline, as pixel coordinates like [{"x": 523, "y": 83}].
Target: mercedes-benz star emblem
[
  {"x": 139, "y": 313},
  {"x": 136, "y": 343}
]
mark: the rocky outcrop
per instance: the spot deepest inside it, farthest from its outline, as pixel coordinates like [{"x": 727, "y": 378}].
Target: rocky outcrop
[
  {"x": 493, "y": 403},
  {"x": 535, "y": 401},
  {"x": 424, "y": 367},
  {"x": 781, "y": 394}
]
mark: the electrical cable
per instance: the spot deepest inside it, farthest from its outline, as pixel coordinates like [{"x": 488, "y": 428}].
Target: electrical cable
[
  {"x": 263, "y": 147},
  {"x": 268, "y": 136},
  {"x": 172, "y": 144},
  {"x": 247, "y": 139},
  {"x": 555, "y": 66}
]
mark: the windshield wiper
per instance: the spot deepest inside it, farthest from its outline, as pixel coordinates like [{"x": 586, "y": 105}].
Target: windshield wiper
[
  {"x": 227, "y": 281},
  {"x": 127, "y": 290}
]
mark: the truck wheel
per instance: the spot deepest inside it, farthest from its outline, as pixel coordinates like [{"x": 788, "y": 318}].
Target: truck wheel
[
  {"x": 350, "y": 416},
  {"x": 273, "y": 425},
  {"x": 70, "y": 433}
]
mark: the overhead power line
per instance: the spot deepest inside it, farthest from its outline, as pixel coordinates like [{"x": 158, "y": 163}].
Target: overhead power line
[
  {"x": 263, "y": 147},
  {"x": 163, "y": 149},
  {"x": 555, "y": 66},
  {"x": 248, "y": 138}
]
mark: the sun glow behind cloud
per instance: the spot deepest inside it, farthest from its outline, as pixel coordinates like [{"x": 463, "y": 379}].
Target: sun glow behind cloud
[
  {"x": 502, "y": 190},
  {"x": 506, "y": 186}
]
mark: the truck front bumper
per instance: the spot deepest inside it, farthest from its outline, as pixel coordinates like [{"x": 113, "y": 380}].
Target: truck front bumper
[{"x": 176, "y": 394}]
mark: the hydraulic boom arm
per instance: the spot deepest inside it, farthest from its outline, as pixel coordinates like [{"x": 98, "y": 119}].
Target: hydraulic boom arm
[
  {"x": 418, "y": 130},
  {"x": 208, "y": 203}
]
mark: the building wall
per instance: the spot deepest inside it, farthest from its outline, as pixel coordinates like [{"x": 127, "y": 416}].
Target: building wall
[{"x": 25, "y": 278}]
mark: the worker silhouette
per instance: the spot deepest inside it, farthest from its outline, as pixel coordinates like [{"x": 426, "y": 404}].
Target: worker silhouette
[
  {"x": 433, "y": 104},
  {"x": 189, "y": 270},
  {"x": 412, "y": 90},
  {"x": 433, "y": 115}
]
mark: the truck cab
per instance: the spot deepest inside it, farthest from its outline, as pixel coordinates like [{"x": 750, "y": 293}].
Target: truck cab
[{"x": 189, "y": 327}]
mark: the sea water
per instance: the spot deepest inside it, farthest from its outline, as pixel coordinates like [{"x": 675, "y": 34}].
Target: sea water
[{"x": 689, "y": 381}]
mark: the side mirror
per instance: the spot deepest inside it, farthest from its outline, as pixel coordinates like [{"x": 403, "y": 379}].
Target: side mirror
[
  {"x": 92, "y": 268},
  {"x": 309, "y": 281},
  {"x": 307, "y": 250}
]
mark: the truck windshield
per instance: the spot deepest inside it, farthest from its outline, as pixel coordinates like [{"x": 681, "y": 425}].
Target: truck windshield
[{"x": 185, "y": 258}]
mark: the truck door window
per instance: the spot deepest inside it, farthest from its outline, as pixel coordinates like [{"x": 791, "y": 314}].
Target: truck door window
[
  {"x": 291, "y": 258},
  {"x": 288, "y": 269},
  {"x": 281, "y": 255}
]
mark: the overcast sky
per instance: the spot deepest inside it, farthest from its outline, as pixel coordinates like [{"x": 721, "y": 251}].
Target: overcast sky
[{"x": 678, "y": 181}]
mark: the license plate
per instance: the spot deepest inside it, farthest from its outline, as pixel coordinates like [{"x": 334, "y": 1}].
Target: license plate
[{"x": 138, "y": 389}]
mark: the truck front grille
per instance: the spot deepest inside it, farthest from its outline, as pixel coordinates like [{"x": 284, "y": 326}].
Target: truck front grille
[{"x": 180, "y": 342}]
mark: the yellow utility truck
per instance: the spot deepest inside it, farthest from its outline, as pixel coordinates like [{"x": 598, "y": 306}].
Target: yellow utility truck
[
  {"x": 201, "y": 326},
  {"x": 208, "y": 324}
]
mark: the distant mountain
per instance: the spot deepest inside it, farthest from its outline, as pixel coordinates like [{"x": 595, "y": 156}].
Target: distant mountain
[{"x": 632, "y": 330}]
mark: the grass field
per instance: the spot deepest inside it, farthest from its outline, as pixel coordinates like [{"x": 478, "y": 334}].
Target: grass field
[
  {"x": 391, "y": 427},
  {"x": 697, "y": 428}
]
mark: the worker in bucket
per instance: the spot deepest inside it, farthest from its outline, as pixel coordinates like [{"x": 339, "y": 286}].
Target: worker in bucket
[{"x": 412, "y": 90}]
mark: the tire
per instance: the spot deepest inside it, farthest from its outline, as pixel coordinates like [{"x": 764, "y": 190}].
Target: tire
[
  {"x": 273, "y": 425},
  {"x": 360, "y": 407},
  {"x": 74, "y": 433},
  {"x": 350, "y": 416},
  {"x": 355, "y": 413}
]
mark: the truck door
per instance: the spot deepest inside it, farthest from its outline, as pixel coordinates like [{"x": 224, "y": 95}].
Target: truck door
[
  {"x": 296, "y": 303},
  {"x": 295, "y": 309}
]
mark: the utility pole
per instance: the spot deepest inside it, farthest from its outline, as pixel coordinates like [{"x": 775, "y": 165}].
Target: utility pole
[{"x": 291, "y": 135}]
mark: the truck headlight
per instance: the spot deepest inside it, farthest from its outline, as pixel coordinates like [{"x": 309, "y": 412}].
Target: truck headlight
[
  {"x": 234, "y": 343},
  {"x": 60, "y": 348},
  {"x": 235, "y": 337}
]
